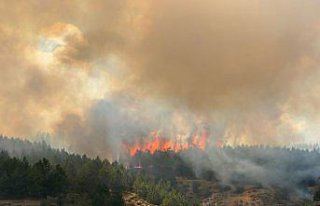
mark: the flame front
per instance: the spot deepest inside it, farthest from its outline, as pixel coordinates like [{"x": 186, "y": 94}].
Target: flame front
[{"x": 158, "y": 142}]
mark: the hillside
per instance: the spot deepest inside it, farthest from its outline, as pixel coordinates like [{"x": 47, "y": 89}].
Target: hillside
[
  {"x": 223, "y": 176},
  {"x": 37, "y": 171},
  {"x": 246, "y": 173}
]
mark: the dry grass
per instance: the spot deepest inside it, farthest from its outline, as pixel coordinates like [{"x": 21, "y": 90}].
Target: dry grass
[{"x": 132, "y": 199}]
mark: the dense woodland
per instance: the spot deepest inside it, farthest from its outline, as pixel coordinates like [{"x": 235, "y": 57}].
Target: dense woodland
[
  {"x": 289, "y": 171},
  {"x": 100, "y": 181},
  {"x": 36, "y": 170}
]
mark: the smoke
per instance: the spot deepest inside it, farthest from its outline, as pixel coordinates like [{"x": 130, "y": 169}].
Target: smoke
[
  {"x": 121, "y": 120},
  {"x": 225, "y": 54},
  {"x": 99, "y": 73},
  {"x": 49, "y": 66},
  {"x": 289, "y": 170}
]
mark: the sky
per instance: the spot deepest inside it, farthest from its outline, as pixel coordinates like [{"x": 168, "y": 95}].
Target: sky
[{"x": 95, "y": 74}]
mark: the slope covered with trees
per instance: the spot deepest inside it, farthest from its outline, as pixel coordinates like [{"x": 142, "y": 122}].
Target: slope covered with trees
[
  {"x": 35, "y": 170},
  {"x": 100, "y": 181},
  {"x": 291, "y": 172}
]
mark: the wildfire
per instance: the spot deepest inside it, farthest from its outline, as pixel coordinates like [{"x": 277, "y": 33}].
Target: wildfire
[{"x": 158, "y": 142}]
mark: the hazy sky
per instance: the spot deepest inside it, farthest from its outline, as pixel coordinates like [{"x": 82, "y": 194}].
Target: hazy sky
[{"x": 104, "y": 71}]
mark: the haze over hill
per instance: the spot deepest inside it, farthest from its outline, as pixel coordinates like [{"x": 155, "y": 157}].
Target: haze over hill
[
  {"x": 108, "y": 72},
  {"x": 182, "y": 92},
  {"x": 268, "y": 175}
]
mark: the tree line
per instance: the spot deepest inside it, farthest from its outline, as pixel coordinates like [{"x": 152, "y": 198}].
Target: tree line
[
  {"x": 35, "y": 170},
  {"x": 28, "y": 168},
  {"x": 100, "y": 181}
]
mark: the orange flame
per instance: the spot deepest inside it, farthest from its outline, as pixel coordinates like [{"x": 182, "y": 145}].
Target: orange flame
[{"x": 156, "y": 142}]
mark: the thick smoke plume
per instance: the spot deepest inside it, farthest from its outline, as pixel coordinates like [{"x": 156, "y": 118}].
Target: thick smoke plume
[
  {"x": 286, "y": 169},
  {"x": 97, "y": 74}
]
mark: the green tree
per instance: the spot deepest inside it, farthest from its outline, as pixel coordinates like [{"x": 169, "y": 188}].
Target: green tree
[
  {"x": 39, "y": 175},
  {"x": 87, "y": 179},
  {"x": 174, "y": 199},
  {"x": 58, "y": 181},
  {"x": 118, "y": 178},
  {"x": 14, "y": 178},
  {"x": 101, "y": 196}
]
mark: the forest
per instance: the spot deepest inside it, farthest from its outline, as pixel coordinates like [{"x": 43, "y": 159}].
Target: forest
[
  {"x": 35, "y": 170},
  {"x": 291, "y": 172}
]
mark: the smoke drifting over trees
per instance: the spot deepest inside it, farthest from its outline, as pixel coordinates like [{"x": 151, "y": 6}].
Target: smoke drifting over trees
[
  {"x": 248, "y": 70},
  {"x": 98, "y": 75},
  {"x": 290, "y": 172}
]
